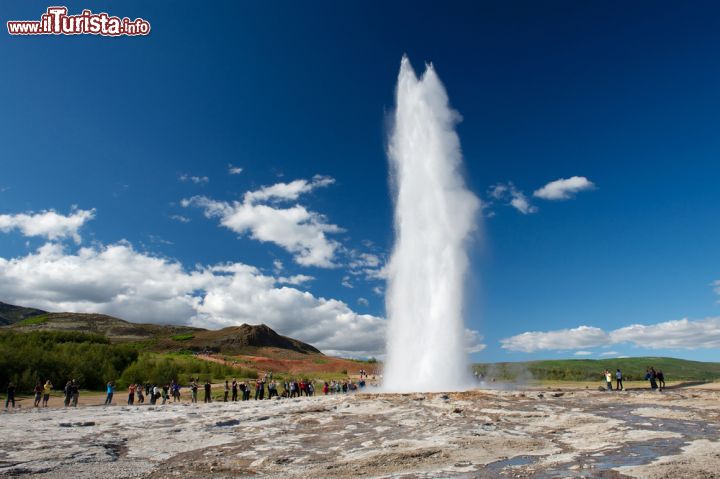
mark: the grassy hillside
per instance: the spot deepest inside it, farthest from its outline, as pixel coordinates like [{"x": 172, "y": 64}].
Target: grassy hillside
[
  {"x": 591, "y": 369},
  {"x": 11, "y": 314}
]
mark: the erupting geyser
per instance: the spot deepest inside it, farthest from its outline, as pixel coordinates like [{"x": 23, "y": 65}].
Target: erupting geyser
[{"x": 435, "y": 215}]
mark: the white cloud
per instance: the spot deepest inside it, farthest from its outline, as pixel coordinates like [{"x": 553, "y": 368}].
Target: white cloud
[
  {"x": 473, "y": 341},
  {"x": 564, "y": 339},
  {"x": 378, "y": 290},
  {"x": 716, "y": 284},
  {"x": 369, "y": 265},
  {"x": 363, "y": 302},
  {"x": 521, "y": 203},
  {"x": 198, "y": 180},
  {"x": 180, "y": 218},
  {"x": 48, "y": 223},
  {"x": 288, "y": 191},
  {"x": 583, "y": 353},
  {"x": 346, "y": 282},
  {"x": 508, "y": 193},
  {"x": 277, "y": 266},
  {"x": 123, "y": 282},
  {"x": 564, "y": 188},
  {"x": 296, "y": 279},
  {"x": 234, "y": 170},
  {"x": 609, "y": 353},
  {"x": 677, "y": 334},
  {"x": 295, "y": 228}
]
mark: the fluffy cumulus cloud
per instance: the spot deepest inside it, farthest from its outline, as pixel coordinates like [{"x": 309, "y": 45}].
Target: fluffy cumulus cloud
[
  {"x": 678, "y": 334},
  {"x": 564, "y": 188},
  {"x": 121, "y": 281},
  {"x": 563, "y": 339},
  {"x": 48, "y": 224},
  {"x": 296, "y": 229},
  {"x": 510, "y": 194}
]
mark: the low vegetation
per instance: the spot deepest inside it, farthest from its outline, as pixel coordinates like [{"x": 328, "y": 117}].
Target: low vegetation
[
  {"x": 28, "y": 358},
  {"x": 33, "y": 321},
  {"x": 183, "y": 337}
]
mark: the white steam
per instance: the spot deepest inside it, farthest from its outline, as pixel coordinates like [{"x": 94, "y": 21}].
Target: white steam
[{"x": 435, "y": 215}]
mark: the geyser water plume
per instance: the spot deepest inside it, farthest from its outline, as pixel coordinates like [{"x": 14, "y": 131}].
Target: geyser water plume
[{"x": 435, "y": 215}]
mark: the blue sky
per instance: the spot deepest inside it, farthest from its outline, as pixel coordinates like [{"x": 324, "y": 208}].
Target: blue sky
[{"x": 626, "y": 96}]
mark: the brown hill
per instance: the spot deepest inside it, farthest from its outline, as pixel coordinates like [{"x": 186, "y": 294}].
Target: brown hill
[
  {"x": 237, "y": 339},
  {"x": 243, "y": 339}
]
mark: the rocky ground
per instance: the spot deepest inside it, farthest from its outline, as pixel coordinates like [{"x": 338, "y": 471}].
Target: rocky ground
[{"x": 528, "y": 433}]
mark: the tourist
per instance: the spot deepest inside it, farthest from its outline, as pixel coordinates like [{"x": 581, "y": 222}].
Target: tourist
[
  {"x": 293, "y": 389},
  {"x": 608, "y": 380},
  {"x": 272, "y": 389},
  {"x": 661, "y": 379},
  {"x": 10, "y": 395},
  {"x": 234, "y": 390},
  {"x": 193, "y": 391},
  {"x": 326, "y": 388},
  {"x": 652, "y": 376},
  {"x": 38, "y": 394},
  {"x": 619, "y": 380},
  {"x": 140, "y": 395},
  {"x": 175, "y": 388},
  {"x": 286, "y": 389},
  {"x": 110, "y": 391},
  {"x": 227, "y": 391},
  {"x": 46, "y": 392},
  {"x": 208, "y": 397},
  {"x": 131, "y": 394},
  {"x": 75, "y": 390},
  {"x": 68, "y": 393},
  {"x": 242, "y": 387},
  {"x": 165, "y": 393}
]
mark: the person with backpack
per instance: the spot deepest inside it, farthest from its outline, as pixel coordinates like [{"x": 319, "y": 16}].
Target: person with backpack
[{"x": 619, "y": 381}]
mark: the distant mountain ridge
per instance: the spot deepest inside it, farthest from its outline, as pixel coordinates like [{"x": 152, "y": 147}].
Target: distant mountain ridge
[{"x": 231, "y": 340}]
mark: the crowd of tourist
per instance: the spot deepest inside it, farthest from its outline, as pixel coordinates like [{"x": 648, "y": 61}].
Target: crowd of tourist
[
  {"x": 264, "y": 387},
  {"x": 656, "y": 378}
]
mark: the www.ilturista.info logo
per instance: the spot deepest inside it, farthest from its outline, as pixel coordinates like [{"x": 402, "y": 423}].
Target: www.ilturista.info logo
[{"x": 56, "y": 21}]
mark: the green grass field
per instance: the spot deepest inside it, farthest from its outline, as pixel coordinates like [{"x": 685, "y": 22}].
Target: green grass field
[{"x": 633, "y": 369}]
